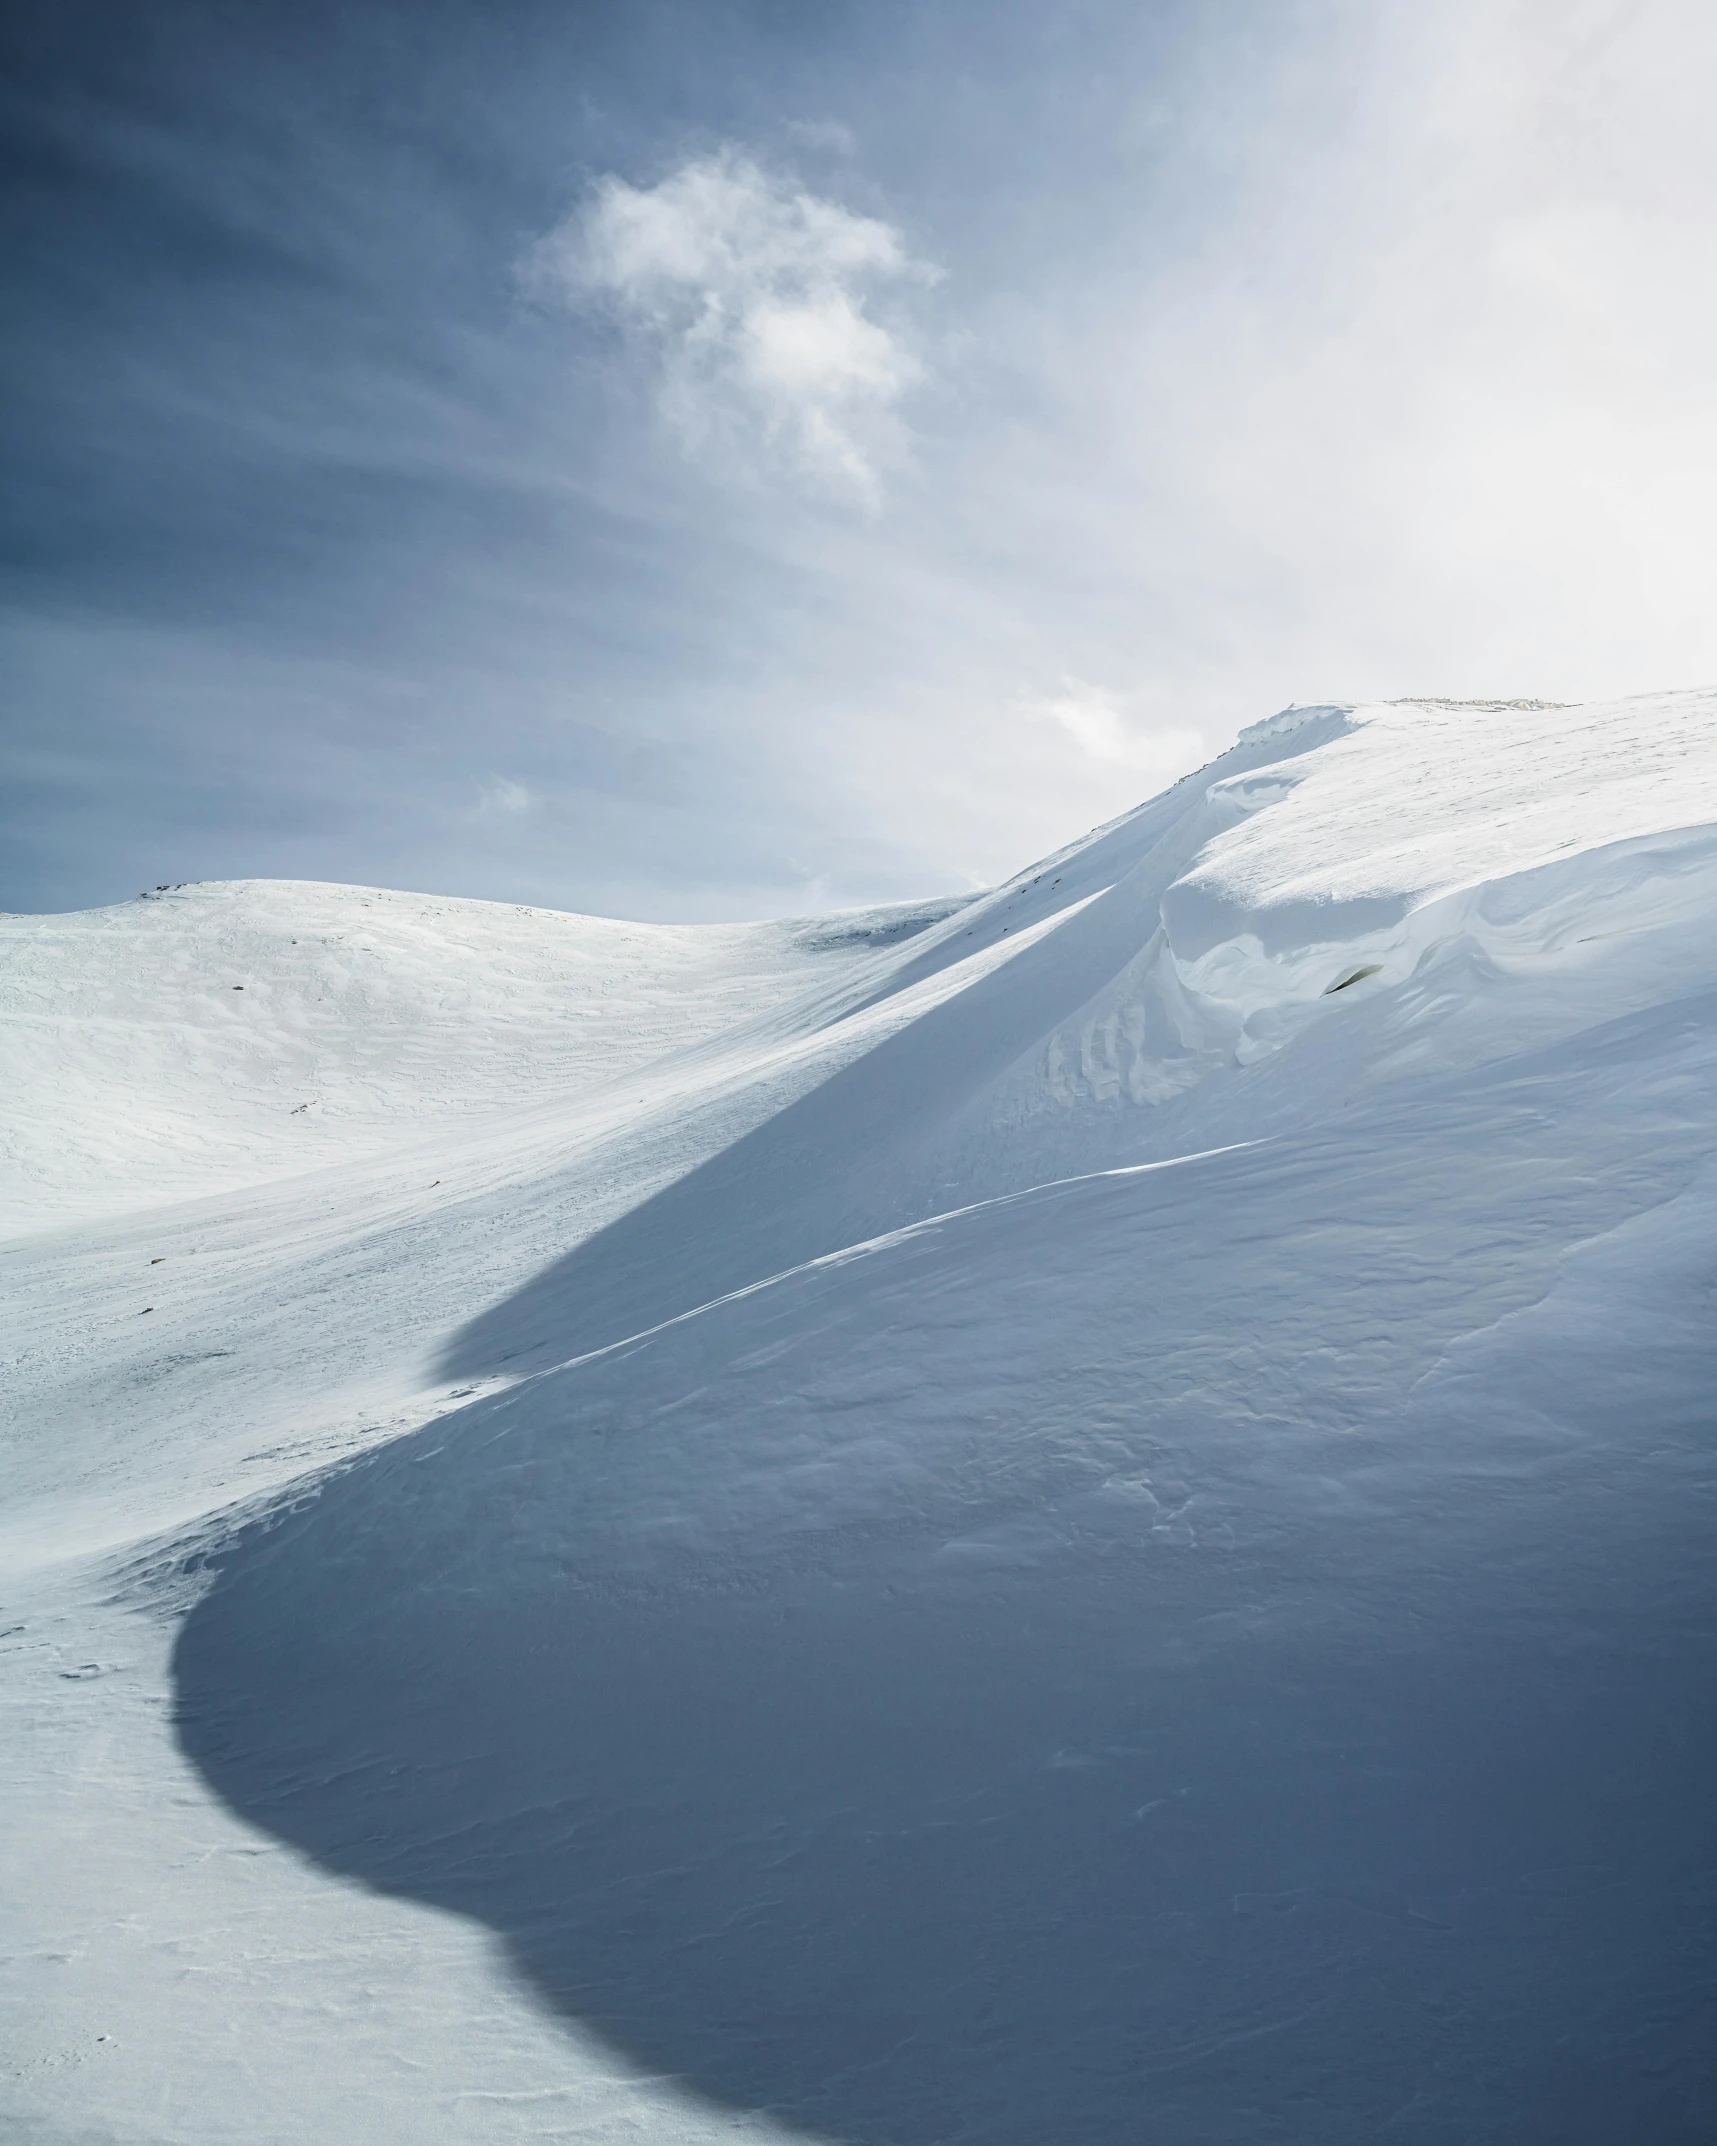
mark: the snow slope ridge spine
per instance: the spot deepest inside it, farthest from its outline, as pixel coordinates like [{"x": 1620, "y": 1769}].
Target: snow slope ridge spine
[
  {"x": 1291, "y": 718},
  {"x": 884, "y": 1241}
]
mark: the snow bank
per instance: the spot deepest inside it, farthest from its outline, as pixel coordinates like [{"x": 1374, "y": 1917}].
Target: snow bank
[
  {"x": 1418, "y": 802},
  {"x": 1084, "y": 1514}
]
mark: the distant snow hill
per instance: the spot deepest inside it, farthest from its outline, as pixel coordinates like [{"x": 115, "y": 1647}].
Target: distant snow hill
[{"x": 1072, "y": 1518}]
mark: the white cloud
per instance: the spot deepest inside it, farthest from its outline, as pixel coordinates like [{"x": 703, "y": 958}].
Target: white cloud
[
  {"x": 753, "y": 294},
  {"x": 1092, "y": 717},
  {"x": 505, "y": 796}
]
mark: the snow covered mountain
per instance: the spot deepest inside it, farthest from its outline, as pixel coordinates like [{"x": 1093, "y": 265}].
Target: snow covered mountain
[{"x": 1080, "y": 1515}]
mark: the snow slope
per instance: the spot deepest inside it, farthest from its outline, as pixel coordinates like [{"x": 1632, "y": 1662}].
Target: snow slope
[
  {"x": 1081, "y": 1515},
  {"x": 206, "y": 1037}
]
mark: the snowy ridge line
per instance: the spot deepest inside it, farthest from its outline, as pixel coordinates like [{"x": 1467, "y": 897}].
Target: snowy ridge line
[
  {"x": 865, "y": 1246},
  {"x": 174, "y": 1566}
]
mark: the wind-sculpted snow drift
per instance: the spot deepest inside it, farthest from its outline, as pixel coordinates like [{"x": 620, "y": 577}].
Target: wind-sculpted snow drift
[{"x": 1084, "y": 1515}]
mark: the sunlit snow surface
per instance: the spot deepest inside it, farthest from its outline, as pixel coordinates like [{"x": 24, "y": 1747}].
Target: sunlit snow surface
[{"x": 1080, "y": 1517}]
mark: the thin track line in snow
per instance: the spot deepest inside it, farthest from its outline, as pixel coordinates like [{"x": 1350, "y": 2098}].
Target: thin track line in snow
[{"x": 867, "y": 1245}]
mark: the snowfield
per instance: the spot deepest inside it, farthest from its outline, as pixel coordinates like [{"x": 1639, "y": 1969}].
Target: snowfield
[{"x": 1083, "y": 1515}]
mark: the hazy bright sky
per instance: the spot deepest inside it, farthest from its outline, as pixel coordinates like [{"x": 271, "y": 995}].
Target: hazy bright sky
[{"x": 700, "y": 459}]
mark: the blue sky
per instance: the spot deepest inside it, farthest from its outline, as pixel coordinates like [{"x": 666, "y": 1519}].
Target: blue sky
[{"x": 711, "y": 460}]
